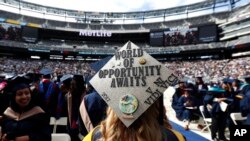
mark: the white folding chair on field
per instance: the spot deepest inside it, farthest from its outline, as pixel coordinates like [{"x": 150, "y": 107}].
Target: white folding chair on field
[
  {"x": 55, "y": 122},
  {"x": 237, "y": 117},
  {"x": 60, "y": 137},
  {"x": 207, "y": 121}
]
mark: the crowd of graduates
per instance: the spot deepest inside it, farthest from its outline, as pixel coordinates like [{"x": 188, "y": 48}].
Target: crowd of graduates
[
  {"x": 68, "y": 94},
  {"x": 219, "y": 100},
  {"x": 60, "y": 98}
]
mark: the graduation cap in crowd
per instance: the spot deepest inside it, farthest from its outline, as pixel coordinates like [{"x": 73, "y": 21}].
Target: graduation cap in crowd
[
  {"x": 216, "y": 89},
  {"x": 45, "y": 72},
  {"x": 18, "y": 82},
  {"x": 96, "y": 66},
  {"x": 66, "y": 79},
  {"x": 247, "y": 78},
  {"x": 34, "y": 77},
  {"x": 227, "y": 81},
  {"x": 2, "y": 77},
  {"x": 9, "y": 76},
  {"x": 78, "y": 77},
  {"x": 188, "y": 89},
  {"x": 127, "y": 94}
]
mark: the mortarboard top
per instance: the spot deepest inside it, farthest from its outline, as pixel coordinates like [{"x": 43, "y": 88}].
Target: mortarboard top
[
  {"x": 17, "y": 82},
  {"x": 20, "y": 79},
  {"x": 216, "y": 89},
  {"x": 33, "y": 76},
  {"x": 227, "y": 80},
  {"x": 246, "y": 78},
  {"x": 45, "y": 71},
  {"x": 66, "y": 77},
  {"x": 2, "y": 76},
  {"x": 188, "y": 89},
  {"x": 181, "y": 81},
  {"x": 9, "y": 76},
  {"x": 78, "y": 78},
  {"x": 131, "y": 81},
  {"x": 199, "y": 76},
  {"x": 96, "y": 66}
]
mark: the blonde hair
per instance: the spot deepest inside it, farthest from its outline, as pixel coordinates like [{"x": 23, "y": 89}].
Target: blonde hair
[{"x": 145, "y": 128}]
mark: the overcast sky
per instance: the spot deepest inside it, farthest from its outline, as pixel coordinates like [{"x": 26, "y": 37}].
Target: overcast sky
[{"x": 113, "y": 5}]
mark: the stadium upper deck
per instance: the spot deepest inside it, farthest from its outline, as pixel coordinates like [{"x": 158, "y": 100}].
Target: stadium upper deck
[
  {"x": 139, "y": 20},
  {"x": 231, "y": 16}
]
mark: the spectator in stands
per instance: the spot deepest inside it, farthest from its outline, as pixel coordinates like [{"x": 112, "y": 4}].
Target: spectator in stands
[{"x": 23, "y": 120}]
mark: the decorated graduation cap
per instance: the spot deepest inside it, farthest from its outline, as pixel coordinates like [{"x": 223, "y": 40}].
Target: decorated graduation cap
[{"x": 131, "y": 81}]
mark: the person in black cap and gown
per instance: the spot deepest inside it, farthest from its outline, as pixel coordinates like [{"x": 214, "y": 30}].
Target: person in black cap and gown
[
  {"x": 23, "y": 120},
  {"x": 74, "y": 98},
  {"x": 212, "y": 101},
  {"x": 187, "y": 110},
  {"x": 48, "y": 93},
  {"x": 92, "y": 111}
]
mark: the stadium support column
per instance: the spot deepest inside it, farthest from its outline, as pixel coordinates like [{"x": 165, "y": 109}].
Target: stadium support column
[
  {"x": 226, "y": 53},
  {"x": 232, "y": 4}
]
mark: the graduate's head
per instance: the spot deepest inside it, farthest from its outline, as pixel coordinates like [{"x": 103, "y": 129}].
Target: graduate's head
[
  {"x": 187, "y": 91},
  {"x": 21, "y": 94},
  {"x": 78, "y": 84},
  {"x": 46, "y": 73},
  {"x": 65, "y": 82},
  {"x": 199, "y": 79}
]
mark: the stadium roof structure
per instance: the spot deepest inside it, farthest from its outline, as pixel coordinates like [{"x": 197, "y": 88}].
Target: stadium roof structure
[{"x": 95, "y": 17}]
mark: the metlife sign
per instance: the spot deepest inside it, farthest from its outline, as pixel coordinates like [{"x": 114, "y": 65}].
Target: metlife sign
[{"x": 95, "y": 33}]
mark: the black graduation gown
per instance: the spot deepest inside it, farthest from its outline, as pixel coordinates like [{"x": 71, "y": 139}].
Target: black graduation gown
[{"x": 32, "y": 123}]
